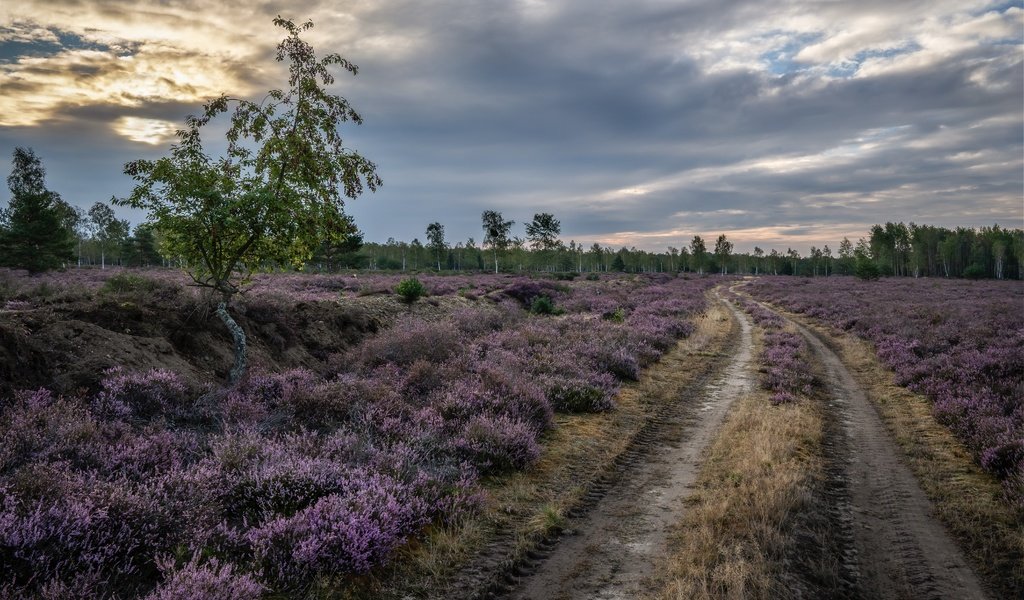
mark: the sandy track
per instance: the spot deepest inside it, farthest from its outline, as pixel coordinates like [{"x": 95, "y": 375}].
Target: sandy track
[
  {"x": 612, "y": 550},
  {"x": 899, "y": 550},
  {"x": 891, "y": 546}
]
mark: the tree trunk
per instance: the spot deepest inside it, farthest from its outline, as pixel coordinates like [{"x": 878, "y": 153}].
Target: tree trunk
[{"x": 238, "y": 370}]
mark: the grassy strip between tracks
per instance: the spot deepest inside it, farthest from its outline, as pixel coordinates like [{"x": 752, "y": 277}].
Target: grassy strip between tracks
[
  {"x": 524, "y": 508},
  {"x": 754, "y": 528},
  {"x": 968, "y": 501}
]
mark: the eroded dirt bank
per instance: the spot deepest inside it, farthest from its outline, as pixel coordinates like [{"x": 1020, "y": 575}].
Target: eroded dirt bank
[{"x": 611, "y": 551}]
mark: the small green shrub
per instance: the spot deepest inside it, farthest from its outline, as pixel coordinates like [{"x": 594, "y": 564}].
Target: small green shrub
[
  {"x": 593, "y": 277},
  {"x": 866, "y": 269},
  {"x": 577, "y": 398},
  {"x": 123, "y": 283},
  {"x": 542, "y": 305},
  {"x": 974, "y": 271},
  {"x": 617, "y": 316},
  {"x": 410, "y": 289},
  {"x": 43, "y": 290}
]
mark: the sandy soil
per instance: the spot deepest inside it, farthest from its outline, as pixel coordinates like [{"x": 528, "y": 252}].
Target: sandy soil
[
  {"x": 611, "y": 551},
  {"x": 899, "y": 550},
  {"x": 892, "y": 546}
]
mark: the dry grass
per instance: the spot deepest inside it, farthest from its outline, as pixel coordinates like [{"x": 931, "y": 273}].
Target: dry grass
[
  {"x": 738, "y": 536},
  {"x": 532, "y": 504},
  {"x": 968, "y": 501}
]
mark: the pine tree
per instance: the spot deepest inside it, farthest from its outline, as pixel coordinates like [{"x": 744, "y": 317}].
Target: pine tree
[{"x": 35, "y": 231}]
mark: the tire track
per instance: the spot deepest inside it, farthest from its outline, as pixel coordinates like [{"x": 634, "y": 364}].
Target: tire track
[
  {"x": 614, "y": 547},
  {"x": 898, "y": 549}
]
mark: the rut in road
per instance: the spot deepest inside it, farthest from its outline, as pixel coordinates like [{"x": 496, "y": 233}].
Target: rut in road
[
  {"x": 615, "y": 546},
  {"x": 901, "y": 551}
]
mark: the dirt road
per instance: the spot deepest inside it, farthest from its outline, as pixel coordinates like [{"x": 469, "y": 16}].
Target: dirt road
[
  {"x": 613, "y": 548},
  {"x": 899, "y": 550},
  {"x": 892, "y": 548}
]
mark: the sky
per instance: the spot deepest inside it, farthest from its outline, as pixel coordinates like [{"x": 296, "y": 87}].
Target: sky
[{"x": 781, "y": 124}]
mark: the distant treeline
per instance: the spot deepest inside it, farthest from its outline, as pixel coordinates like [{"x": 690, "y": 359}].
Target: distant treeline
[
  {"x": 893, "y": 249},
  {"x": 40, "y": 231}
]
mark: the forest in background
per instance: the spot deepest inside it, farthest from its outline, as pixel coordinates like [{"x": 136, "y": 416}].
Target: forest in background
[{"x": 73, "y": 237}]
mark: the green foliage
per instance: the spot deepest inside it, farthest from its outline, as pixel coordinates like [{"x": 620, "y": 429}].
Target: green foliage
[
  {"x": 344, "y": 254},
  {"x": 140, "y": 249},
  {"x": 865, "y": 268},
  {"x": 617, "y": 316},
  {"x": 410, "y": 289},
  {"x": 274, "y": 197},
  {"x": 543, "y": 305},
  {"x": 277, "y": 194},
  {"x": 577, "y": 399},
  {"x": 106, "y": 228},
  {"x": 618, "y": 264},
  {"x": 435, "y": 241},
  {"x": 389, "y": 264},
  {"x": 593, "y": 277},
  {"x": 723, "y": 248},
  {"x": 36, "y": 230},
  {"x": 123, "y": 283},
  {"x": 543, "y": 232},
  {"x": 698, "y": 250},
  {"x": 975, "y": 271},
  {"x": 496, "y": 230}
]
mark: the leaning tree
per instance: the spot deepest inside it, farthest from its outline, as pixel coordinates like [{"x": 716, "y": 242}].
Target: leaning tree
[{"x": 276, "y": 194}]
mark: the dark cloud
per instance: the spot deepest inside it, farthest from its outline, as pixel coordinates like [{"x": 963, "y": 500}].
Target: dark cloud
[{"x": 659, "y": 119}]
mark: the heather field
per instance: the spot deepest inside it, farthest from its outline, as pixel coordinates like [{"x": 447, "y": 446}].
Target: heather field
[
  {"x": 152, "y": 484},
  {"x": 437, "y": 445},
  {"x": 960, "y": 343}
]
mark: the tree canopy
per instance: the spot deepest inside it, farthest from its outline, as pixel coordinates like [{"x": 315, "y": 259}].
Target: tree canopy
[
  {"x": 543, "y": 232},
  {"x": 496, "y": 230},
  {"x": 435, "y": 239},
  {"x": 279, "y": 191},
  {"x": 723, "y": 248},
  {"x": 37, "y": 228},
  {"x": 275, "y": 196}
]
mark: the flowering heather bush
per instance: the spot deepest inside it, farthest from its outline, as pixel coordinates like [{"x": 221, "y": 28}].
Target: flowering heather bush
[
  {"x": 477, "y": 322},
  {"x": 785, "y": 360},
  {"x": 527, "y": 290},
  {"x": 786, "y": 369},
  {"x": 494, "y": 391},
  {"x": 143, "y": 396},
  {"x": 347, "y": 532},
  {"x": 37, "y": 427},
  {"x": 107, "y": 528},
  {"x": 295, "y": 476},
  {"x": 580, "y": 394},
  {"x": 959, "y": 343},
  {"x": 407, "y": 341},
  {"x": 497, "y": 444},
  {"x": 207, "y": 581}
]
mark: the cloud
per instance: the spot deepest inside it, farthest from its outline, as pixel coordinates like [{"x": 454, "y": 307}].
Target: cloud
[
  {"x": 784, "y": 123},
  {"x": 146, "y": 131}
]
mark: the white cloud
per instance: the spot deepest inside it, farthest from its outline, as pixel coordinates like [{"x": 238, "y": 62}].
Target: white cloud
[{"x": 145, "y": 131}]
